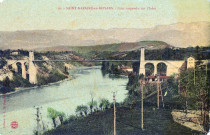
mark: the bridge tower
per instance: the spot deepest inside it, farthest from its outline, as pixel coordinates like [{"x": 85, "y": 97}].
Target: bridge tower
[
  {"x": 142, "y": 62},
  {"x": 31, "y": 55},
  {"x": 190, "y": 62},
  {"x": 32, "y": 71}
]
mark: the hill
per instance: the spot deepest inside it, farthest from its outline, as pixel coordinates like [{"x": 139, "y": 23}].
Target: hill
[{"x": 110, "y": 47}]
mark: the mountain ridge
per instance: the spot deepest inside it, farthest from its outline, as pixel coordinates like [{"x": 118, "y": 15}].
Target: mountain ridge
[{"x": 178, "y": 35}]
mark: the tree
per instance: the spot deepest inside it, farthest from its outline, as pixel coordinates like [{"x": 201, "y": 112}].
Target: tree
[
  {"x": 104, "y": 104},
  {"x": 6, "y": 82},
  {"x": 92, "y": 105},
  {"x": 149, "y": 69},
  {"x": 135, "y": 66},
  {"x": 194, "y": 85},
  {"x": 202, "y": 87},
  {"x": 53, "y": 114},
  {"x": 61, "y": 116},
  {"x": 133, "y": 84},
  {"x": 112, "y": 68},
  {"x": 2, "y": 63},
  {"x": 105, "y": 66},
  {"x": 82, "y": 109},
  {"x": 185, "y": 84}
]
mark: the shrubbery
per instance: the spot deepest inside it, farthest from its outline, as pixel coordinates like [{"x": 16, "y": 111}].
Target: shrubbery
[
  {"x": 54, "y": 76},
  {"x": 18, "y": 81},
  {"x": 53, "y": 114},
  {"x": 8, "y": 85},
  {"x": 4, "y": 90}
]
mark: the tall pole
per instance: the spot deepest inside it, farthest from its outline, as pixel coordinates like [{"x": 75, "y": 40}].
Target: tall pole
[
  {"x": 206, "y": 70},
  {"x": 179, "y": 87},
  {"x": 194, "y": 76},
  {"x": 208, "y": 96},
  {"x": 114, "y": 101},
  {"x": 206, "y": 104},
  {"x": 37, "y": 119},
  {"x": 158, "y": 102},
  {"x": 142, "y": 106}
]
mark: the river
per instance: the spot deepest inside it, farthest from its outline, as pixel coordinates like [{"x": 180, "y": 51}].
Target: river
[{"x": 65, "y": 96}]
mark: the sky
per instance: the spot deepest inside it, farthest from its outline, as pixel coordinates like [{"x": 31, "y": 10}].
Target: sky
[{"x": 45, "y": 15}]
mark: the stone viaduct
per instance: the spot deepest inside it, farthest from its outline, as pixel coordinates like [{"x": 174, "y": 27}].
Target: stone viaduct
[
  {"x": 26, "y": 67},
  {"x": 29, "y": 71},
  {"x": 172, "y": 66}
]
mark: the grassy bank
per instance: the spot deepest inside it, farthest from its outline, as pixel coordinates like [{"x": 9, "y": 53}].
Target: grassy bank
[{"x": 128, "y": 123}]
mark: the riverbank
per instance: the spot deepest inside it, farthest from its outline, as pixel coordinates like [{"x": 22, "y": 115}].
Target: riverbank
[{"x": 19, "y": 89}]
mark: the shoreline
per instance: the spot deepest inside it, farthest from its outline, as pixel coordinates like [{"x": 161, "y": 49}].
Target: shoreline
[{"x": 19, "y": 89}]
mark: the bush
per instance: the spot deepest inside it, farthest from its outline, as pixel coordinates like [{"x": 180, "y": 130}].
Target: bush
[
  {"x": 104, "y": 104},
  {"x": 53, "y": 114},
  {"x": 92, "y": 106},
  {"x": 82, "y": 110},
  {"x": 18, "y": 81},
  {"x": 54, "y": 76},
  {"x": 2, "y": 63},
  {"x": 4, "y": 90}
]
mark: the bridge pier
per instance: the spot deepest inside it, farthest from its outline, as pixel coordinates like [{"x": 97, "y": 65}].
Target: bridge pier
[
  {"x": 155, "y": 69},
  {"x": 23, "y": 70},
  {"x": 14, "y": 66}
]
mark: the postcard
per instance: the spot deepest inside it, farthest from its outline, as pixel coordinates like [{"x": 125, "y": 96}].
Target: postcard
[{"x": 104, "y": 67}]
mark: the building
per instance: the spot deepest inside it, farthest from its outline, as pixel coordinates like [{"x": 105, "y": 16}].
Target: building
[
  {"x": 154, "y": 78},
  {"x": 14, "y": 53},
  {"x": 127, "y": 69}
]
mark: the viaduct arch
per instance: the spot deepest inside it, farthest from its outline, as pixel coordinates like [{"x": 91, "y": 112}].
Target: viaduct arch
[
  {"x": 26, "y": 67},
  {"x": 172, "y": 66}
]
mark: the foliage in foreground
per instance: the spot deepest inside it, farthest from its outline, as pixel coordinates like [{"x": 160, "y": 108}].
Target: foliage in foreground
[{"x": 53, "y": 114}]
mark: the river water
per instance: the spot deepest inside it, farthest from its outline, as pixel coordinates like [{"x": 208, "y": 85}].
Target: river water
[{"x": 65, "y": 96}]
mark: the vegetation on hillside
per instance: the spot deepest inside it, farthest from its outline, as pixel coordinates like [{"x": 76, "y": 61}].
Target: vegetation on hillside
[
  {"x": 128, "y": 115},
  {"x": 181, "y": 93}
]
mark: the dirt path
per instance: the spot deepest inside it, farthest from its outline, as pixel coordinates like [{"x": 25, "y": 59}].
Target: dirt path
[{"x": 192, "y": 119}]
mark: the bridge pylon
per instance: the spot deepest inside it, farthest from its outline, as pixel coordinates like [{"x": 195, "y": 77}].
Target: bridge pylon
[
  {"x": 32, "y": 71},
  {"x": 142, "y": 62}
]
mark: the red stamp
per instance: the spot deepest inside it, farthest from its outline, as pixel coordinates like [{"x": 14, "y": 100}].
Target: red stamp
[{"x": 14, "y": 124}]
